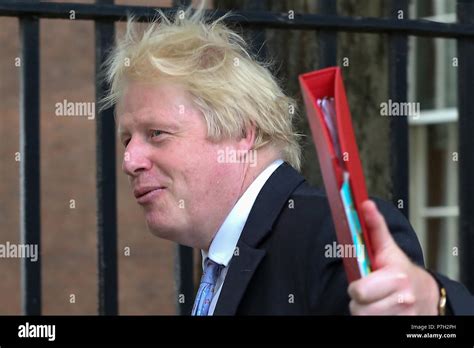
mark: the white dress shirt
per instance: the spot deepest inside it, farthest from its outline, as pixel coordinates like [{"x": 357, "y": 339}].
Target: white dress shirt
[{"x": 223, "y": 245}]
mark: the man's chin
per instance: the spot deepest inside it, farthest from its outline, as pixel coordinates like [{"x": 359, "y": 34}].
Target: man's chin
[
  {"x": 171, "y": 234},
  {"x": 163, "y": 232},
  {"x": 157, "y": 223},
  {"x": 160, "y": 231}
]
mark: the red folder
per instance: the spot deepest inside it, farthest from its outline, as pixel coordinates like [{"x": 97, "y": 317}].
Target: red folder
[{"x": 328, "y": 83}]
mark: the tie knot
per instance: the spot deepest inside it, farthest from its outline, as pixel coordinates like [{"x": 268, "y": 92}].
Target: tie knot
[{"x": 211, "y": 271}]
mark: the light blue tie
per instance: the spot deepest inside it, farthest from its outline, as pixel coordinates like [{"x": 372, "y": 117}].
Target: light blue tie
[{"x": 206, "y": 290}]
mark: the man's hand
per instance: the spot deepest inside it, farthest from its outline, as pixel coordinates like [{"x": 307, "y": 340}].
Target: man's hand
[{"x": 396, "y": 285}]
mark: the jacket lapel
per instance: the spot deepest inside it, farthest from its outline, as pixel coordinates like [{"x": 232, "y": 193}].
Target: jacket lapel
[{"x": 268, "y": 205}]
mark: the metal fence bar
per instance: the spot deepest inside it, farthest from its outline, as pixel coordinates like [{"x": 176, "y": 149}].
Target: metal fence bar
[
  {"x": 30, "y": 200},
  {"x": 256, "y": 36},
  {"x": 465, "y": 12},
  {"x": 106, "y": 180},
  {"x": 181, "y": 3},
  {"x": 245, "y": 18},
  {"x": 184, "y": 280},
  {"x": 327, "y": 40},
  {"x": 398, "y": 62}
]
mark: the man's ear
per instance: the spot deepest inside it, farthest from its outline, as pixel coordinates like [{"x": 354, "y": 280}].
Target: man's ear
[{"x": 247, "y": 141}]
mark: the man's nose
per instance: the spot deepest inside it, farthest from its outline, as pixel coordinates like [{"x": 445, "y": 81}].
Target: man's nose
[{"x": 135, "y": 159}]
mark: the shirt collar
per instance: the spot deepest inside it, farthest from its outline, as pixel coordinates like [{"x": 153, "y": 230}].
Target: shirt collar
[{"x": 223, "y": 245}]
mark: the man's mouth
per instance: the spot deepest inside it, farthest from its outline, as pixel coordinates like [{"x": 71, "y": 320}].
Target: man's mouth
[{"x": 146, "y": 194}]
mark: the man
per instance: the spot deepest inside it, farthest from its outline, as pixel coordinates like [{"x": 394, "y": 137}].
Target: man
[{"x": 213, "y": 160}]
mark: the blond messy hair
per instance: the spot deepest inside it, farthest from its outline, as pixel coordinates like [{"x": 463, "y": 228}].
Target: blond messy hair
[{"x": 231, "y": 88}]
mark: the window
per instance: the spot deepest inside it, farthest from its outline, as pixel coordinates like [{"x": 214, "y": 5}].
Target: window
[{"x": 433, "y": 140}]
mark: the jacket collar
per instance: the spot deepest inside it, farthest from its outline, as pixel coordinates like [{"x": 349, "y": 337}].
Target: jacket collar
[{"x": 268, "y": 205}]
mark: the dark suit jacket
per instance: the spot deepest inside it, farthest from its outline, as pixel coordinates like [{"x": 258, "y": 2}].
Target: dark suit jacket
[{"x": 281, "y": 268}]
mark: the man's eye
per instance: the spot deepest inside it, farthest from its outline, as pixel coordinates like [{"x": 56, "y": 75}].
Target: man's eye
[
  {"x": 156, "y": 132},
  {"x": 125, "y": 142}
]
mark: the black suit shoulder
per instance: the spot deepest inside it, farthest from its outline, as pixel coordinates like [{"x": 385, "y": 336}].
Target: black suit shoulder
[{"x": 300, "y": 243}]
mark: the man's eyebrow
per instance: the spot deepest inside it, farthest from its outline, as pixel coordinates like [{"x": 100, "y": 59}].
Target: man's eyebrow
[
  {"x": 151, "y": 119},
  {"x": 159, "y": 124}
]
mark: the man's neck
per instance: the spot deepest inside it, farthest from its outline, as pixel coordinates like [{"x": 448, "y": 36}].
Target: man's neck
[
  {"x": 233, "y": 223},
  {"x": 264, "y": 160},
  {"x": 250, "y": 174}
]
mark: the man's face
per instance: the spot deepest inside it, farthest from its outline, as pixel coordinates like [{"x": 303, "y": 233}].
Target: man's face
[{"x": 172, "y": 167}]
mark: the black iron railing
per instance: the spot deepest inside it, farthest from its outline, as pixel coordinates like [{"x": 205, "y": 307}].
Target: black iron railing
[{"x": 105, "y": 14}]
